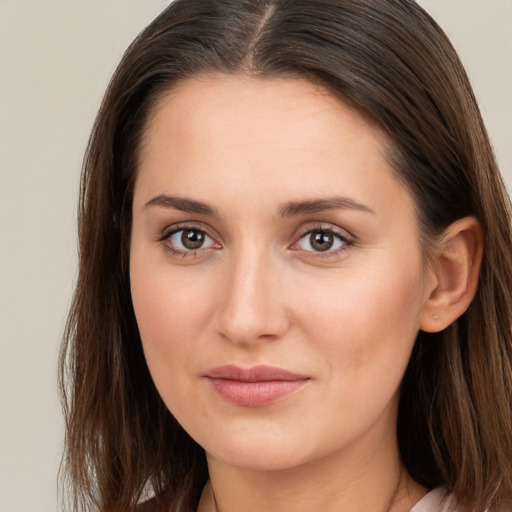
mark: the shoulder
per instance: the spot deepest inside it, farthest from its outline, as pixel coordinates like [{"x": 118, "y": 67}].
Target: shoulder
[
  {"x": 441, "y": 499},
  {"x": 437, "y": 500},
  {"x": 147, "y": 506}
]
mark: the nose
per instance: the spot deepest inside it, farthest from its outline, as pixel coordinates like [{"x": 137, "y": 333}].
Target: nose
[{"x": 252, "y": 304}]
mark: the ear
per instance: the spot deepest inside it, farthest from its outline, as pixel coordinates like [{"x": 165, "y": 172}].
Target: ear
[{"x": 453, "y": 275}]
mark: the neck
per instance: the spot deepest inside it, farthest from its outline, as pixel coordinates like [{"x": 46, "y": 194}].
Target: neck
[{"x": 341, "y": 481}]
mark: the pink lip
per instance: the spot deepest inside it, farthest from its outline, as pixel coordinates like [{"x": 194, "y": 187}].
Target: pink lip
[{"x": 254, "y": 387}]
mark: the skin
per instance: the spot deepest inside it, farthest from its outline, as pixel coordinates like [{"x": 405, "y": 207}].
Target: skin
[{"x": 257, "y": 292}]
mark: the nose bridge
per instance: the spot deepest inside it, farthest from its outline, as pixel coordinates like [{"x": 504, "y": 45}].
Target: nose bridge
[{"x": 252, "y": 306}]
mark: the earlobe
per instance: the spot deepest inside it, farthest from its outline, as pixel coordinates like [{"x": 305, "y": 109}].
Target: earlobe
[{"x": 455, "y": 272}]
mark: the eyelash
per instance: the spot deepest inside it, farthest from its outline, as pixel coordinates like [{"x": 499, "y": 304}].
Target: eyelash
[
  {"x": 168, "y": 233},
  {"x": 344, "y": 238}
]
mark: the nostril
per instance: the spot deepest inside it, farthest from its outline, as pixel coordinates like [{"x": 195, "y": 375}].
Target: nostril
[{"x": 251, "y": 321}]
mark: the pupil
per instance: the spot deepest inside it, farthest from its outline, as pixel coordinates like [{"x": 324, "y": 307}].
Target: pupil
[
  {"x": 192, "y": 239},
  {"x": 321, "y": 241}
]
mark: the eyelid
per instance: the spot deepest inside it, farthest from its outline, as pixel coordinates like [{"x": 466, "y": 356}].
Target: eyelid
[
  {"x": 181, "y": 226},
  {"x": 326, "y": 226},
  {"x": 172, "y": 229},
  {"x": 346, "y": 237}
]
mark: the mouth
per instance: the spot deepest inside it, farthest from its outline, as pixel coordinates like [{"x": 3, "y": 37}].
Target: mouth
[{"x": 254, "y": 387}]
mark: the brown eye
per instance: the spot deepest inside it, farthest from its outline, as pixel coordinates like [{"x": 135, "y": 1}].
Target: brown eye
[
  {"x": 321, "y": 241},
  {"x": 187, "y": 240},
  {"x": 192, "y": 238}
]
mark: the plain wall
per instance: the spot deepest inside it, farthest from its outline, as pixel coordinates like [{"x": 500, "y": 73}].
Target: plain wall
[{"x": 55, "y": 60}]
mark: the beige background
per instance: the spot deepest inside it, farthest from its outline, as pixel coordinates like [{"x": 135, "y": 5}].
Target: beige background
[{"x": 55, "y": 60}]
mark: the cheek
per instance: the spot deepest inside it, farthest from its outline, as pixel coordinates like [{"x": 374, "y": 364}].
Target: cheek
[
  {"x": 171, "y": 311},
  {"x": 365, "y": 322}
]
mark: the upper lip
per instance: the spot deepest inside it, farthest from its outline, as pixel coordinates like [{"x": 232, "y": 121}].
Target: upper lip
[{"x": 260, "y": 373}]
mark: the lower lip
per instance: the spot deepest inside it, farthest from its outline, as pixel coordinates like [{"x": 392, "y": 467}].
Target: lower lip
[{"x": 255, "y": 394}]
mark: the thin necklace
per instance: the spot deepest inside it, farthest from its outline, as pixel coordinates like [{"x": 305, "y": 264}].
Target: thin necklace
[{"x": 388, "y": 508}]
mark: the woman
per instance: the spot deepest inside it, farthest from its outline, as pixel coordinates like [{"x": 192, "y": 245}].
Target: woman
[{"x": 295, "y": 275}]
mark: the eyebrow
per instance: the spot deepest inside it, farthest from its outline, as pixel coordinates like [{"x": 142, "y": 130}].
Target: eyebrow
[
  {"x": 293, "y": 208},
  {"x": 183, "y": 204},
  {"x": 289, "y": 209}
]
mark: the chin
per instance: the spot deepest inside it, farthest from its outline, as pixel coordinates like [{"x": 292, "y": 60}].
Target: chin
[
  {"x": 260, "y": 458},
  {"x": 262, "y": 449}
]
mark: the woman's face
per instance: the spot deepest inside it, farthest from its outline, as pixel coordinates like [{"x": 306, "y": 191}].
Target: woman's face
[{"x": 276, "y": 271}]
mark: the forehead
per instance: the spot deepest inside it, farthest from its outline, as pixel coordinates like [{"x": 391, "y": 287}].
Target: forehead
[
  {"x": 236, "y": 136},
  {"x": 217, "y": 102}
]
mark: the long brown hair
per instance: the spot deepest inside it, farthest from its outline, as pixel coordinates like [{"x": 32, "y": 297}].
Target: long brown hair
[{"x": 392, "y": 62}]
